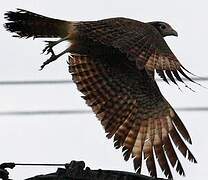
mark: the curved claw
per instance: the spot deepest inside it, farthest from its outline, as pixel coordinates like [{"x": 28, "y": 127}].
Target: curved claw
[
  {"x": 53, "y": 57},
  {"x": 49, "y": 47}
]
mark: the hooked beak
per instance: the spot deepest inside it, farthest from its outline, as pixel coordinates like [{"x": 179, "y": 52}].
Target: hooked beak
[{"x": 174, "y": 33}]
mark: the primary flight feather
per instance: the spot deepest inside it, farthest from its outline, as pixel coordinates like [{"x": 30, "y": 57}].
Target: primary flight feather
[{"x": 112, "y": 62}]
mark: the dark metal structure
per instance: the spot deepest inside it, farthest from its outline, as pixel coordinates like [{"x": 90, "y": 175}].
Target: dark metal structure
[{"x": 76, "y": 170}]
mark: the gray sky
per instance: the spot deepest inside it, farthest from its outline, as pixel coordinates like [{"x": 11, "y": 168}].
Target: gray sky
[{"x": 62, "y": 138}]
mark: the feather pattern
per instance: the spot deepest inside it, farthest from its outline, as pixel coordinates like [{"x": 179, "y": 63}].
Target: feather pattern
[
  {"x": 113, "y": 63},
  {"x": 141, "y": 43},
  {"x": 133, "y": 112}
]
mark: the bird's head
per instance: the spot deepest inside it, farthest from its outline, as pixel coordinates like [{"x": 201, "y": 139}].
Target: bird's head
[{"x": 164, "y": 28}]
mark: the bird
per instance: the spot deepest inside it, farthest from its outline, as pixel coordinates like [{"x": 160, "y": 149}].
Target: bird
[{"x": 113, "y": 63}]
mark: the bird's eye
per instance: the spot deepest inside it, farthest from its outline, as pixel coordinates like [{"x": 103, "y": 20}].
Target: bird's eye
[{"x": 162, "y": 26}]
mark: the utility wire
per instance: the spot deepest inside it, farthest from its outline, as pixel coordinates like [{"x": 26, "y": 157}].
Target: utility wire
[
  {"x": 38, "y": 164},
  {"x": 43, "y": 112},
  {"x": 34, "y": 82},
  {"x": 11, "y": 165},
  {"x": 31, "y": 82},
  {"x": 80, "y": 112}
]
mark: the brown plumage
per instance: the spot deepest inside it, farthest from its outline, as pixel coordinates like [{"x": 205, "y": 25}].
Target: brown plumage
[{"x": 112, "y": 63}]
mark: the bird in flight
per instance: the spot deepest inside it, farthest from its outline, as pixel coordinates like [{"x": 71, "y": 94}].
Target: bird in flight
[{"x": 113, "y": 63}]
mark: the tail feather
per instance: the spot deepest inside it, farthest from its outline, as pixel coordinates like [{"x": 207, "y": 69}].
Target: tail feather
[{"x": 28, "y": 24}]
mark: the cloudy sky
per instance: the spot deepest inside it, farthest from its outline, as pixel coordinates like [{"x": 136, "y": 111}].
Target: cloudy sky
[{"x": 62, "y": 138}]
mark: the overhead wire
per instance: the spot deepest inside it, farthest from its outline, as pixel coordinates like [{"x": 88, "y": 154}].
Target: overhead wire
[
  {"x": 80, "y": 112},
  {"x": 71, "y": 112},
  {"x": 65, "y": 81}
]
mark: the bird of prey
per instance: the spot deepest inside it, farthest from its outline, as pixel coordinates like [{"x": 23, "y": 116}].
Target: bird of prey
[{"x": 113, "y": 62}]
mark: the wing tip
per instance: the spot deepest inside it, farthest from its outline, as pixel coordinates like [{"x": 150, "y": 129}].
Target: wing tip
[
  {"x": 173, "y": 75},
  {"x": 137, "y": 161},
  {"x": 180, "y": 127},
  {"x": 179, "y": 168}
]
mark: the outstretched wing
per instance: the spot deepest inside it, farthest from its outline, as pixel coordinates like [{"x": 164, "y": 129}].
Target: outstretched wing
[
  {"x": 131, "y": 108},
  {"x": 124, "y": 97},
  {"x": 141, "y": 43}
]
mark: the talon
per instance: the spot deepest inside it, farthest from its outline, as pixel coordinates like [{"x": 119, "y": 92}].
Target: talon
[
  {"x": 49, "y": 49},
  {"x": 51, "y": 44},
  {"x": 44, "y": 50},
  {"x": 53, "y": 57}
]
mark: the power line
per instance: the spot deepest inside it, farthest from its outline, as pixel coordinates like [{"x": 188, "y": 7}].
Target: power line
[
  {"x": 43, "y": 112},
  {"x": 80, "y": 112},
  {"x": 34, "y": 82},
  {"x": 39, "y": 164},
  {"x": 62, "y": 81},
  {"x": 11, "y": 165},
  {"x": 192, "y": 109}
]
